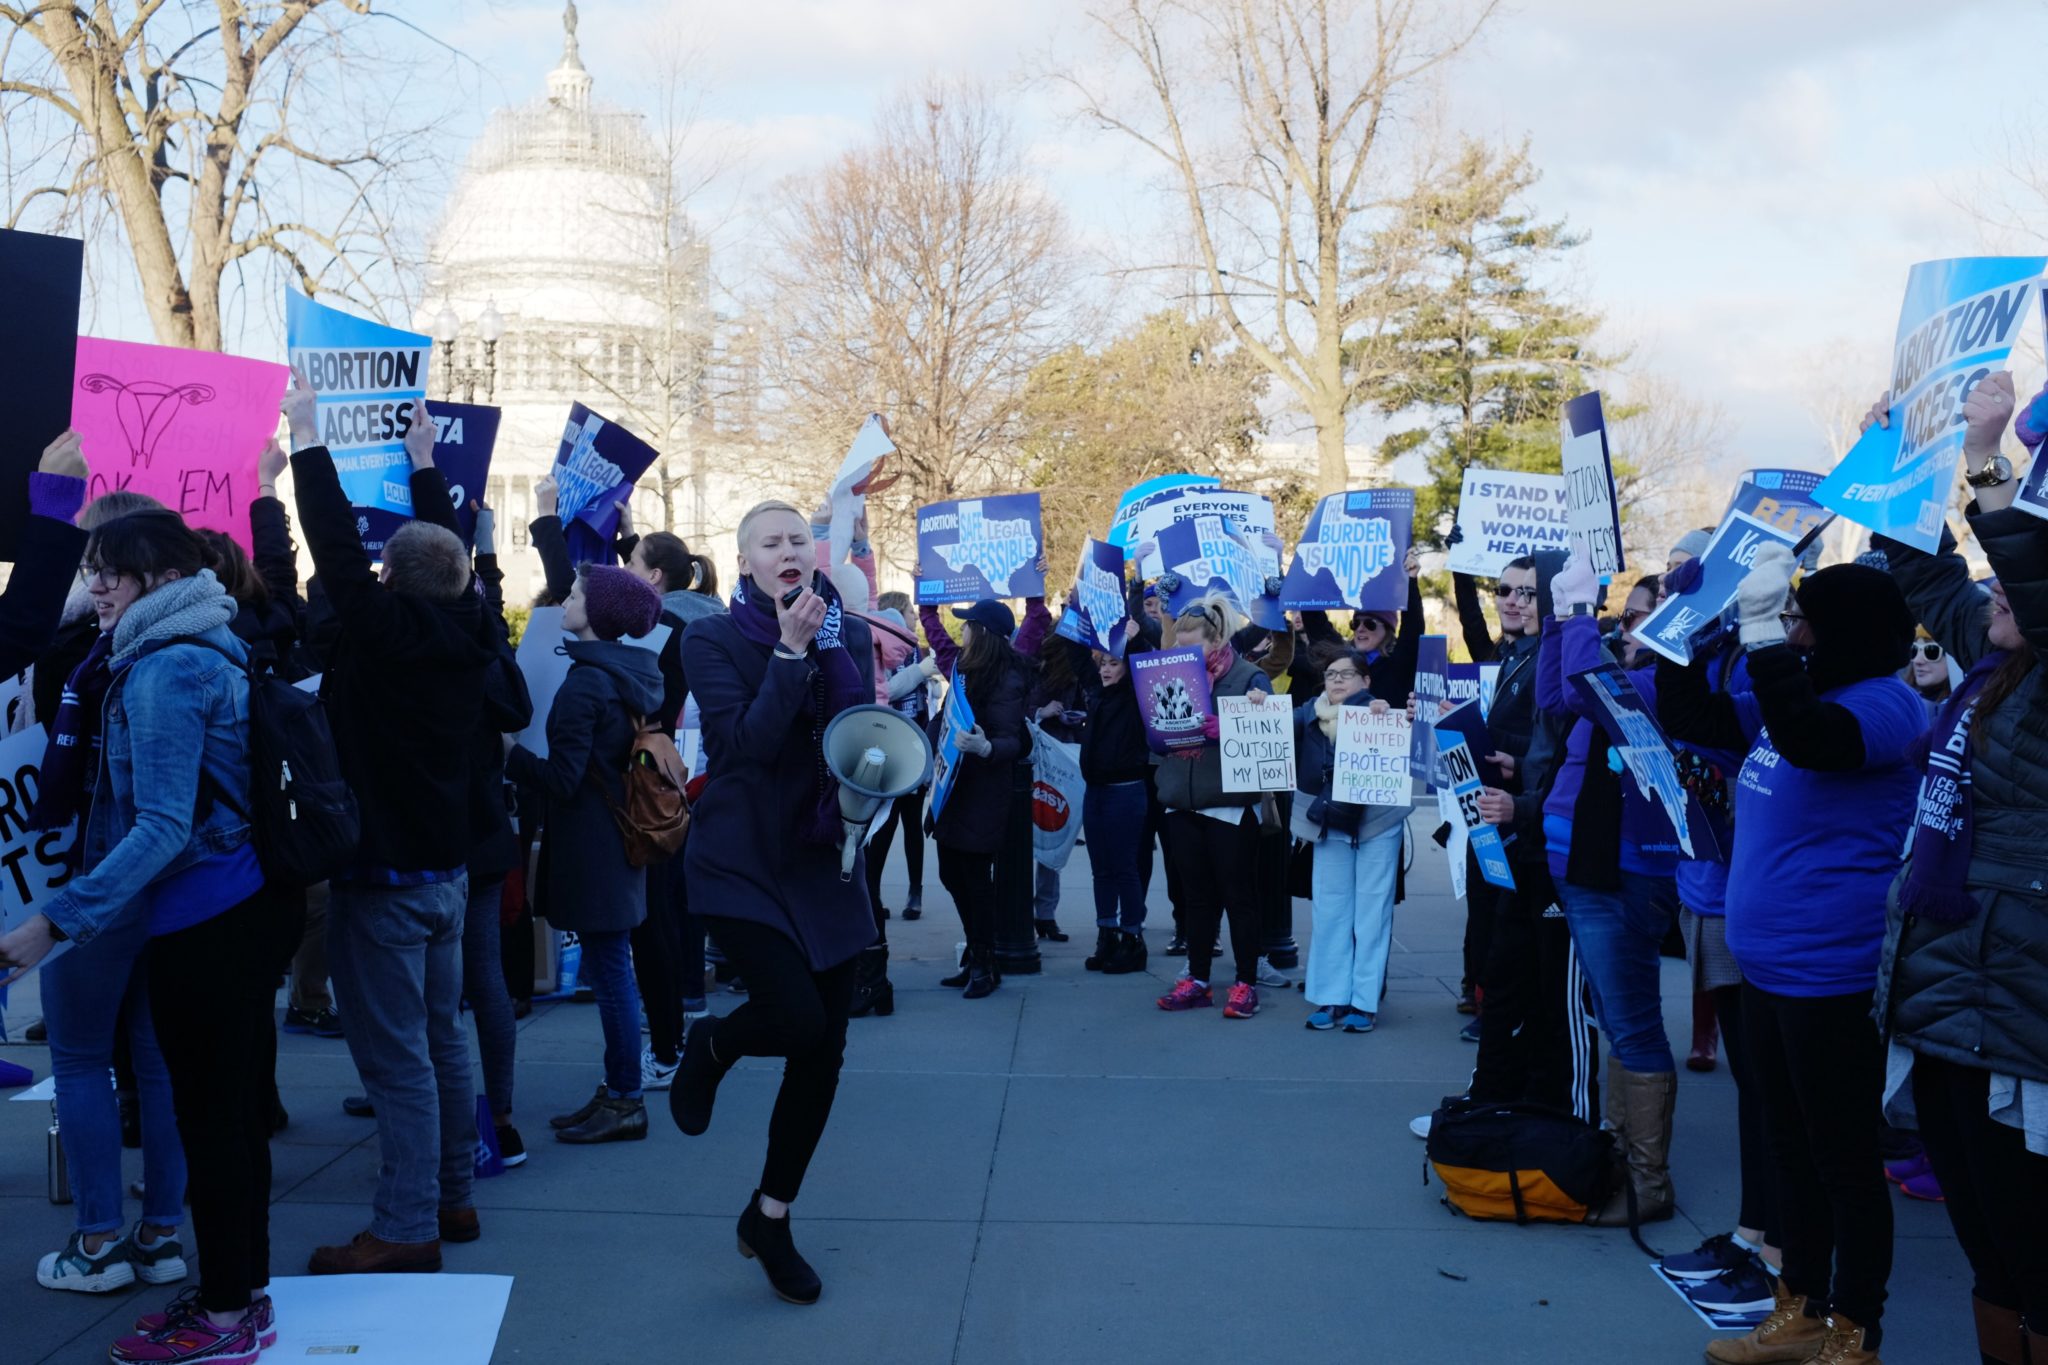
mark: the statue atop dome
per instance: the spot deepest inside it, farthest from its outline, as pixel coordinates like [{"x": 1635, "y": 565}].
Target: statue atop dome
[{"x": 569, "y": 84}]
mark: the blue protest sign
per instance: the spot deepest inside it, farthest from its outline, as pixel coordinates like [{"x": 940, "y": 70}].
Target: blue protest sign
[
  {"x": 1095, "y": 617},
  {"x": 1432, "y": 685},
  {"x": 1957, "y": 325},
  {"x": 595, "y": 467},
  {"x": 955, "y": 720},
  {"x": 365, "y": 378},
  {"x": 465, "y": 434},
  {"x": 1459, "y": 773},
  {"x": 1784, "y": 498},
  {"x": 1462, "y": 683},
  {"x": 1633, "y": 733},
  {"x": 1683, "y": 623},
  {"x": 1173, "y": 697},
  {"x": 1211, "y": 555},
  {"x": 979, "y": 547},
  {"x": 1592, "y": 509},
  {"x": 1351, "y": 553},
  {"x": 1122, "y": 527}
]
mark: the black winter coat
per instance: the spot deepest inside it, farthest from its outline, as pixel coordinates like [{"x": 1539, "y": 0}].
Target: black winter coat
[
  {"x": 978, "y": 810},
  {"x": 1113, "y": 746},
  {"x": 1976, "y": 993}
]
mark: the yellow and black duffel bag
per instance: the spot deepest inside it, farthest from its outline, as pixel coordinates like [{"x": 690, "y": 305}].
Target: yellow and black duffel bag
[{"x": 1512, "y": 1160}]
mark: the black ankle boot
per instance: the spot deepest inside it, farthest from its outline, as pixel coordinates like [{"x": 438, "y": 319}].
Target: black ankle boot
[
  {"x": 767, "y": 1240},
  {"x": 1105, "y": 948},
  {"x": 1128, "y": 957},
  {"x": 982, "y": 977},
  {"x": 959, "y": 978},
  {"x": 1050, "y": 931},
  {"x": 695, "y": 1088},
  {"x": 614, "y": 1121},
  {"x": 872, "y": 992}
]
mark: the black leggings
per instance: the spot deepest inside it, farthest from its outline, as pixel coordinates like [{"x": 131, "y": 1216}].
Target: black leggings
[
  {"x": 970, "y": 879},
  {"x": 1218, "y": 865},
  {"x": 668, "y": 958},
  {"x": 1759, "y": 1171},
  {"x": 210, "y": 992},
  {"x": 906, "y": 813},
  {"x": 1820, "y": 1065},
  {"x": 790, "y": 1012},
  {"x": 1536, "y": 1037},
  {"x": 1996, "y": 1190}
]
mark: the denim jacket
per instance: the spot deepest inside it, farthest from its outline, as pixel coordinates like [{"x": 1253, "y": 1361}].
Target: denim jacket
[{"x": 152, "y": 814}]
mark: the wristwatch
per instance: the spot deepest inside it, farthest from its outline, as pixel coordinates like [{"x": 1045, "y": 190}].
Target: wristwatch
[{"x": 1996, "y": 471}]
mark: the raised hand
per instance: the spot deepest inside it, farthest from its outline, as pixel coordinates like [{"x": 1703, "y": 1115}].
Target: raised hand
[
  {"x": 64, "y": 456},
  {"x": 544, "y": 497},
  {"x": 298, "y": 406},
  {"x": 1761, "y": 595},
  {"x": 1986, "y": 414},
  {"x": 800, "y": 620},
  {"x": 269, "y": 466},
  {"x": 419, "y": 437}
]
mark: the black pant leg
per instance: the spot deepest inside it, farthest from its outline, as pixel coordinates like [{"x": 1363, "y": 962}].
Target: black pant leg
[
  {"x": 1511, "y": 979},
  {"x": 656, "y": 949},
  {"x": 1995, "y": 1190},
  {"x": 1759, "y": 1206},
  {"x": 1198, "y": 906},
  {"x": 1236, "y": 868},
  {"x": 970, "y": 879},
  {"x": 910, "y": 815}
]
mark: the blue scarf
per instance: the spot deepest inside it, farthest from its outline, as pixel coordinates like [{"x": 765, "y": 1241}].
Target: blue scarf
[{"x": 1937, "y": 875}]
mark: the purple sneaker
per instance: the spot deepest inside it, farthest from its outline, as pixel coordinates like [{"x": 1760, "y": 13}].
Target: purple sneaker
[
  {"x": 193, "y": 1340},
  {"x": 1186, "y": 995},
  {"x": 1907, "y": 1167},
  {"x": 181, "y": 1310},
  {"x": 1923, "y": 1186}
]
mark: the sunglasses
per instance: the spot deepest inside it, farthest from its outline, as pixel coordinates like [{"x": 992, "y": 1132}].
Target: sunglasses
[
  {"x": 1927, "y": 649},
  {"x": 1519, "y": 594}
]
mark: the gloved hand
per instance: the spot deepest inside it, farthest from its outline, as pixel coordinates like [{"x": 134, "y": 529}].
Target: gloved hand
[
  {"x": 1576, "y": 585},
  {"x": 1761, "y": 596},
  {"x": 929, "y": 665},
  {"x": 976, "y": 743},
  {"x": 1168, "y": 584},
  {"x": 1456, "y": 537},
  {"x": 1271, "y": 586},
  {"x": 1683, "y": 579}
]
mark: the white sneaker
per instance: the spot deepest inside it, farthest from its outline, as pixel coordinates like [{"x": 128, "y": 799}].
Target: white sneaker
[
  {"x": 74, "y": 1269},
  {"x": 653, "y": 1075},
  {"x": 1420, "y": 1127},
  {"x": 1269, "y": 975}
]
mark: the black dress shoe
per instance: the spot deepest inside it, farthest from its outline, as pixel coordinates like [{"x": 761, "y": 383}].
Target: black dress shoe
[
  {"x": 582, "y": 1115},
  {"x": 767, "y": 1240},
  {"x": 1128, "y": 956},
  {"x": 695, "y": 1087},
  {"x": 1050, "y": 931},
  {"x": 982, "y": 977},
  {"x": 914, "y": 907},
  {"x": 614, "y": 1121},
  {"x": 1105, "y": 948},
  {"x": 358, "y": 1106},
  {"x": 959, "y": 978}
]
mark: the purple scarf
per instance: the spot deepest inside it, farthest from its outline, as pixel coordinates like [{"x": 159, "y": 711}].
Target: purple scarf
[
  {"x": 835, "y": 687},
  {"x": 71, "y": 759},
  {"x": 1937, "y": 877}
]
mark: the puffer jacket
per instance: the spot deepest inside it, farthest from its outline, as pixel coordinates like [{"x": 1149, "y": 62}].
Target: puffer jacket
[
  {"x": 1976, "y": 993},
  {"x": 1197, "y": 783}
]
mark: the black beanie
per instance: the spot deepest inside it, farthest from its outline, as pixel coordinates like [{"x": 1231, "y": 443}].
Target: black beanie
[{"x": 1862, "y": 627}]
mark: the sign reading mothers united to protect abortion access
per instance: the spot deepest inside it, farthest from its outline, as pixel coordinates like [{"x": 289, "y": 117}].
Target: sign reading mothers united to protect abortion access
[
  {"x": 595, "y": 467},
  {"x": 1958, "y": 324},
  {"x": 366, "y": 377},
  {"x": 1592, "y": 510},
  {"x": 980, "y": 547},
  {"x": 465, "y": 435},
  {"x": 1095, "y": 617},
  {"x": 1173, "y": 697},
  {"x": 1351, "y": 553},
  {"x": 1211, "y": 555},
  {"x": 1683, "y": 623},
  {"x": 1370, "y": 758},
  {"x": 185, "y": 427},
  {"x": 1503, "y": 516}
]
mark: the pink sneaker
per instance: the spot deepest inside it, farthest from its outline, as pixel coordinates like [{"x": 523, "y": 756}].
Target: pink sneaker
[
  {"x": 193, "y": 1340},
  {"x": 1186, "y": 995},
  {"x": 1924, "y": 1187},
  {"x": 182, "y": 1309},
  {"x": 1243, "y": 1001}
]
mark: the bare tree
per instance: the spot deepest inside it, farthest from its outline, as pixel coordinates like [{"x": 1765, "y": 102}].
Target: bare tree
[
  {"x": 1666, "y": 445},
  {"x": 921, "y": 275},
  {"x": 184, "y": 121},
  {"x": 1271, "y": 118}
]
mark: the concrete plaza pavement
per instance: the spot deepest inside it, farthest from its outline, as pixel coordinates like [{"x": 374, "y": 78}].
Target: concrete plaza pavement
[{"x": 1059, "y": 1173}]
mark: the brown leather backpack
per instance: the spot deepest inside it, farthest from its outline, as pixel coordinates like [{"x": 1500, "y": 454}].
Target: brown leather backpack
[{"x": 654, "y": 817}]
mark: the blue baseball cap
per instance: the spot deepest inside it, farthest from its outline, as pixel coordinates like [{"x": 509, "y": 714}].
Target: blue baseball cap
[{"x": 990, "y": 615}]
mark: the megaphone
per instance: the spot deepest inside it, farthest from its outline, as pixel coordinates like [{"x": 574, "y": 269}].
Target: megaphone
[{"x": 878, "y": 754}]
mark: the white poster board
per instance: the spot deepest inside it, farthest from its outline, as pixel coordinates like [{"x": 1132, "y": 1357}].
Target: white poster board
[
  {"x": 1372, "y": 758},
  {"x": 1503, "y": 516},
  {"x": 33, "y": 860},
  {"x": 1593, "y": 509},
  {"x": 1257, "y": 743}
]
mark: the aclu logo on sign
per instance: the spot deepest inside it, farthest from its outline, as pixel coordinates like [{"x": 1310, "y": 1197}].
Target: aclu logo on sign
[
  {"x": 1353, "y": 550},
  {"x": 997, "y": 548}
]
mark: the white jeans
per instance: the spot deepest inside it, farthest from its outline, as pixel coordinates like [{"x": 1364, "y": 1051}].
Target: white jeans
[{"x": 1352, "y": 920}]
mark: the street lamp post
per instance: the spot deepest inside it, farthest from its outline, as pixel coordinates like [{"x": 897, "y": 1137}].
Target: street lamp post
[{"x": 490, "y": 326}]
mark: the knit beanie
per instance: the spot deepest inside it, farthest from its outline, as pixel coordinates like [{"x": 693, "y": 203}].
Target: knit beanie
[
  {"x": 1862, "y": 627},
  {"x": 1692, "y": 543},
  {"x": 618, "y": 603}
]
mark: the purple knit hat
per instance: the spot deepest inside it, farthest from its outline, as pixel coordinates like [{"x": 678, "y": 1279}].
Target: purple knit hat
[{"x": 617, "y": 602}]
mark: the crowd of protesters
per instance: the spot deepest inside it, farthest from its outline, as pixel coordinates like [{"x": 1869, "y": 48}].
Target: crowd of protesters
[{"x": 1878, "y": 1014}]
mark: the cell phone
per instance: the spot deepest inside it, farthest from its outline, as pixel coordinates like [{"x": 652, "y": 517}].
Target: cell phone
[{"x": 789, "y": 598}]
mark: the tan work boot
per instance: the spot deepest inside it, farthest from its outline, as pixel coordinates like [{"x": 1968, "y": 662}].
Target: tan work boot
[
  {"x": 2000, "y": 1335},
  {"x": 1787, "y": 1335},
  {"x": 1648, "y": 1100},
  {"x": 1844, "y": 1345}
]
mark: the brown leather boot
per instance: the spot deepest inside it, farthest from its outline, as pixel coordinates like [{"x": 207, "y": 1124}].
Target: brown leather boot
[
  {"x": 459, "y": 1225},
  {"x": 1787, "y": 1335},
  {"x": 1706, "y": 1032},
  {"x": 367, "y": 1255},
  {"x": 1648, "y": 1100},
  {"x": 1844, "y": 1345},
  {"x": 1999, "y": 1334}
]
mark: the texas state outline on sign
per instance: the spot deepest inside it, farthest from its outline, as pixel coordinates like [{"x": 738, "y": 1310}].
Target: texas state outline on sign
[
  {"x": 1352, "y": 550},
  {"x": 996, "y": 548}
]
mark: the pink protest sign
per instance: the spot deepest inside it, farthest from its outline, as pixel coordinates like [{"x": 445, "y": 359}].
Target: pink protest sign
[{"x": 185, "y": 427}]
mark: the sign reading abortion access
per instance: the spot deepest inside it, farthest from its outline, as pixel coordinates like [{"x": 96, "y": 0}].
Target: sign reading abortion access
[
  {"x": 365, "y": 377},
  {"x": 1503, "y": 516},
  {"x": 40, "y": 280},
  {"x": 595, "y": 467},
  {"x": 1684, "y": 622},
  {"x": 1593, "y": 513},
  {"x": 1459, "y": 775},
  {"x": 465, "y": 434},
  {"x": 1957, "y": 325},
  {"x": 1256, "y": 740},
  {"x": 1351, "y": 553},
  {"x": 1173, "y": 697},
  {"x": 980, "y": 547},
  {"x": 185, "y": 427},
  {"x": 1095, "y": 618}
]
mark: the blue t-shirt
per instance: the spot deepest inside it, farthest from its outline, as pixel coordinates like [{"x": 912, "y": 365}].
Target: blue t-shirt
[
  {"x": 1815, "y": 852},
  {"x": 204, "y": 890}
]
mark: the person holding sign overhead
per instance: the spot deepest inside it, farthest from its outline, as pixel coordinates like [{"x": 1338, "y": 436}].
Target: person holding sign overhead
[{"x": 1357, "y": 852}]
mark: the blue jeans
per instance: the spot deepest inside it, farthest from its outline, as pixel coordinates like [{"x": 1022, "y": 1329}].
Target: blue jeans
[
  {"x": 91, "y": 991},
  {"x": 1352, "y": 919},
  {"x": 395, "y": 953},
  {"x": 1619, "y": 935},
  {"x": 608, "y": 968},
  {"x": 483, "y": 982},
  {"x": 1114, "y": 819},
  {"x": 1045, "y": 898}
]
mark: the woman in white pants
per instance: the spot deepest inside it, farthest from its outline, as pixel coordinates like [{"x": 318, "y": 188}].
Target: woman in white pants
[{"x": 1357, "y": 851}]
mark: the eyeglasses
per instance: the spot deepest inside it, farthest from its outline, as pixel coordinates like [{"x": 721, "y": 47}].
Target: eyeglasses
[
  {"x": 1341, "y": 674},
  {"x": 1926, "y": 649},
  {"x": 1633, "y": 615},
  {"x": 1519, "y": 594},
  {"x": 98, "y": 575},
  {"x": 1789, "y": 619}
]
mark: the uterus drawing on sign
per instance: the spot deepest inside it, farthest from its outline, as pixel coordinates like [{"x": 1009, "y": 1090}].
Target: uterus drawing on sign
[{"x": 146, "y": 408}]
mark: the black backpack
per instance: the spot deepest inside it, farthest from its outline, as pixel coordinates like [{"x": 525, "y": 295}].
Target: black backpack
[{"x": 299, "y": 806}]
